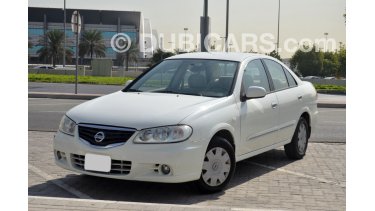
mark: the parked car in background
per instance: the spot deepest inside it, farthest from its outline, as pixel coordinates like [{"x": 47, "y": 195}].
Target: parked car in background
[
  {"x": 312, "y": 77},
  {"x": 190, "y": 118},
  {"x": 330, "y": 78},
  {"x": 44, "y": 67},
  {"x": 67, "y": 67}
]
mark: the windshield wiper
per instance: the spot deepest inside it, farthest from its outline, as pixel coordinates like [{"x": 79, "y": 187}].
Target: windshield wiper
[
  {"x": 133, "y": 90},
  {"x": 166, "y": 91},
  {"x": 194, "y": 94}
]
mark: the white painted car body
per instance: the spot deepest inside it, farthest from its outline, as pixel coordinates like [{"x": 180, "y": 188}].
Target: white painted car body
[{"x": 255, "y": 125}]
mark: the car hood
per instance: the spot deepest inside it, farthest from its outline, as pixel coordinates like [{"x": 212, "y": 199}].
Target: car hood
[{"x": 138, "y": 110}]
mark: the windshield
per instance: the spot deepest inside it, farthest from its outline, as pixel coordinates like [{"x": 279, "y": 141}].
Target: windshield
[{"x": 211, "y": 78}]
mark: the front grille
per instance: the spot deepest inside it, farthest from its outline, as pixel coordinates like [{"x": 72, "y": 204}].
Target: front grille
[
  {"x": 112, "y": 135},
  {"x": 117, "y": 166}
]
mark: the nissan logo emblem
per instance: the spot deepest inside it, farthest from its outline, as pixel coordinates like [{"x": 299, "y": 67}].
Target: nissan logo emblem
[{"x": 99, "y": 137}]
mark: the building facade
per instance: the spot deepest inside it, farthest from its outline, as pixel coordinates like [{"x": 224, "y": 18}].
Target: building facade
[{"x": 109, "y": 23}]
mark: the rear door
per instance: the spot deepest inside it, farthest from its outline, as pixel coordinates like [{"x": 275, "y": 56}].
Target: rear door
[{"x": 289, "y": 98}]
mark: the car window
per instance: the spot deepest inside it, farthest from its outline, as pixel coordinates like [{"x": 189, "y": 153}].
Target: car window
[
  {"x": 255, "y": 75},
  {"x": 211, "y": 78},
  {"x": 291, "y": 81},
  {"x": 277, "y": 74},
  {"x": 160, "y": 79}
]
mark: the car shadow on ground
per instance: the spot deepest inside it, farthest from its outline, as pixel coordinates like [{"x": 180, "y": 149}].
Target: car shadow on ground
[{"x": 183, "y": 193}]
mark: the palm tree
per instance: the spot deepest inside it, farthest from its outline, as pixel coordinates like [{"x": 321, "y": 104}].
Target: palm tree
[
  {"x": 159, "y": 55},
  {"x": 53, "y": 49},
  {"x": 91, "y": 43},
  {"x": 131, "y": 55}
]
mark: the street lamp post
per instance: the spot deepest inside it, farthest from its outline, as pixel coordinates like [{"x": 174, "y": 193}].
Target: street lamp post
[
  {"x": 227, "y": 28},
  {"x": 205, "y": 22},
  {"x": 76, "y": 28},
  {"x": 326, "y": 44},
  {"x": 278, "y": 30},
  {"x": 64, "y": 33},
  {"x": 185, "y": 29}
]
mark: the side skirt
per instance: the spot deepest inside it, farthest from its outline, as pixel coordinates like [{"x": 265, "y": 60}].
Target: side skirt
[{"x": 259, "y": 151}]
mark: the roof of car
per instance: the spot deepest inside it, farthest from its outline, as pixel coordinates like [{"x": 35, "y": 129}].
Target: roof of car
[{"x": 219, "y": 56}]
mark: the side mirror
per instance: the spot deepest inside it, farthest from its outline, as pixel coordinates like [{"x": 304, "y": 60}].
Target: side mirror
[
  {"x": 254, "y": 92},
  {"x": 128, "y": 82}
]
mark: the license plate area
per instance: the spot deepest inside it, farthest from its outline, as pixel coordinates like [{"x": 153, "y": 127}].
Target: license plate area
[{"x": 101, "y": 163}]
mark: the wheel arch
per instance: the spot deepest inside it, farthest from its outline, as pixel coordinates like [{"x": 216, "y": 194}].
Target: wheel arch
[
  {"x": 307, "y": 117},
  {"x": 224, "y": 133}
]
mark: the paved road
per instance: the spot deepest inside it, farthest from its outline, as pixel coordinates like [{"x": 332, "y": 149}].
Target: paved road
[
  {"x": 267, "y": 181},
  {"x": 45, "y": 115},
  {"x": 69, "y": 88}
]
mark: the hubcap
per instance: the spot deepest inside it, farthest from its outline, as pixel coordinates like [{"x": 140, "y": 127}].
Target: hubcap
[
  {"x": 216, "y": 166},
  {"x": 302, "y": 138}
]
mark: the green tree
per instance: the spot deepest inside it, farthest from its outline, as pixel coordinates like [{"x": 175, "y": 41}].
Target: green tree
[
  {"x": 92, "y": 43},
  {"x": 52, "y": 50},
  {"x": 341, "y": 55},
  {"x": 330, "y": 64},
  {"x": 307, "y": 63},
  {"x": 131, "y": 55},
  {"x": 159, "y": 55},
  {"x": 274, "y": 54}
]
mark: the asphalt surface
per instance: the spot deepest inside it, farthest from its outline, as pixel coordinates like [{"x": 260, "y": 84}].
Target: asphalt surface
[
  {"x": 45, "y": 115},
  {"x": 70, "y": 88}
]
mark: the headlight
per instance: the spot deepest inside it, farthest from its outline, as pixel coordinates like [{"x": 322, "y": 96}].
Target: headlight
[
  {"x": 167, "y": 134},
  {"x": 67, "y": 126}
]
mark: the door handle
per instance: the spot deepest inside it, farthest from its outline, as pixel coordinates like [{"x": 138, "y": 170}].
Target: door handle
[
  {"x": 300, "y": 97},
  {"x": 274, "y": 105}
]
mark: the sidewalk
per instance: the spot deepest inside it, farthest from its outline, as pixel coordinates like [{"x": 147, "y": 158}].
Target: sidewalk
[{"x": 324, "y": 100}]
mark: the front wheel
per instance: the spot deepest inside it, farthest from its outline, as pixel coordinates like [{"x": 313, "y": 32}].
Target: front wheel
[
  {"x": 297, "y": 148},
  {"x": 218, "y": 166}
]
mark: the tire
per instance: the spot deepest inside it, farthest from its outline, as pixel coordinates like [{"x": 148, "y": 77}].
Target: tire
[
  {"x": 297, "y": 148},
  {"x": 218, "y": 168}
]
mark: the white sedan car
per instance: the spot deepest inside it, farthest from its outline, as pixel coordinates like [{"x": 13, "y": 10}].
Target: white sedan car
[{"x": 190, "y": 118}]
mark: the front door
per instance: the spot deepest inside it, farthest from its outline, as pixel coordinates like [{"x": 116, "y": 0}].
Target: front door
[{"x": 259, "y": 117}]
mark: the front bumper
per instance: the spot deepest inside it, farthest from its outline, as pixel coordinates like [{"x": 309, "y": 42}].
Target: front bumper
[{"x": 185, "y": 159}]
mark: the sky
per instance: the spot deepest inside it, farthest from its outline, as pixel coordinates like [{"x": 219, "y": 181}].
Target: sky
[{"x": 299, "y": 20}]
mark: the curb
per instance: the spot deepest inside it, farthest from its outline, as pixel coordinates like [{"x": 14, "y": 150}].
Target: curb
[
  {"x": 331, "y": 105},
  {"x": 63, "y": 95},
  {"x": 93, "y": 96}
]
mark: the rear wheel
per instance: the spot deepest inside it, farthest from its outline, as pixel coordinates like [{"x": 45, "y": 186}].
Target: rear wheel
[
  {"x": 218, "y": 166},
  {"x": 297, "y": 148}
]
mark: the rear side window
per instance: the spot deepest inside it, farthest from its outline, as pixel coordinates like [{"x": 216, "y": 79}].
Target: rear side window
[
  {"x": 277, "y": 74},
  {"x": 292, "y": 82}
]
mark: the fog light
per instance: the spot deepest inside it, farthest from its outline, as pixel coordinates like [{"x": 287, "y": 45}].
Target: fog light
[
  {"x": 58, "y": 154},
  {"x": 165, "y": 169}
]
